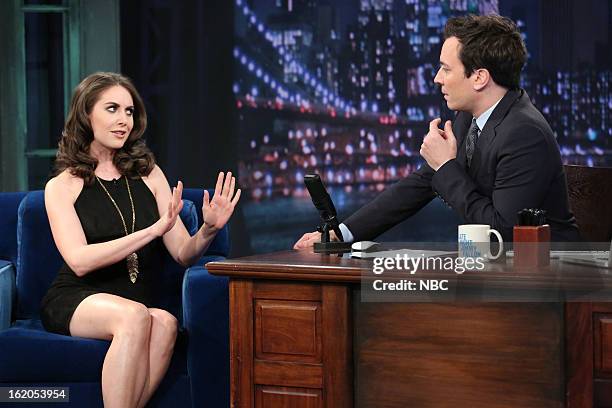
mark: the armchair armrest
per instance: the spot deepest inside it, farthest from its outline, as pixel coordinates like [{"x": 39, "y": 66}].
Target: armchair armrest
[
  {"x": 206, "y": 320},
  {"x": 7, "y": 293}
]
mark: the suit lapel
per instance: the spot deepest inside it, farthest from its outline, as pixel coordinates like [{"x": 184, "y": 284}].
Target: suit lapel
[{"x": 488, "y": 133}]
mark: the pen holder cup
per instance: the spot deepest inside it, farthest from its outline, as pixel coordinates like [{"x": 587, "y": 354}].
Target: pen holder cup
[{"x": 531, "y": 246}]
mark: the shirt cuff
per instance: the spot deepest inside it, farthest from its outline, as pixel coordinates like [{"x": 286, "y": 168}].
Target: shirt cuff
[{"x": 346, "y": 233}]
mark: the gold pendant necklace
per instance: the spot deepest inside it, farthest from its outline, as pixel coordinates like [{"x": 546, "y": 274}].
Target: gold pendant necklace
[{"x": 132, "y": 259}]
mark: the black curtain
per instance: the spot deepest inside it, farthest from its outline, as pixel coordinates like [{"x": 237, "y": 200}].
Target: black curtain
[{"x": 179, "y": 55}]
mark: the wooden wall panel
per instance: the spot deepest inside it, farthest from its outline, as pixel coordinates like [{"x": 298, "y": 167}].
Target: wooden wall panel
[{"x": 484, "y": 355}]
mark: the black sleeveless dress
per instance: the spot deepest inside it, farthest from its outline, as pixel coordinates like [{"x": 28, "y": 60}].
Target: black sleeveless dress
[{"x": 101, "y": 223}]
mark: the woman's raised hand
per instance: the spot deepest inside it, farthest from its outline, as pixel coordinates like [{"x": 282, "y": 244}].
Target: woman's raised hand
[
  {"x": 167, "y": 221},
  {"x": 216, "y": 212}
]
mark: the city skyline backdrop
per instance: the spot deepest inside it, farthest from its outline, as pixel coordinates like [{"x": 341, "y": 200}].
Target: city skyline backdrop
[{"x": 345, "y": 89}]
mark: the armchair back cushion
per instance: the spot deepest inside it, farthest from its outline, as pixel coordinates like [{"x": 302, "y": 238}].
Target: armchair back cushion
[
  {"x": 37, "y": 259},
  {"x": 9, "y": 202}
]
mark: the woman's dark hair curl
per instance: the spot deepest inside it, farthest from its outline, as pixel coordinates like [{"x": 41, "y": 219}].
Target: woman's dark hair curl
[{"x": 134, "y": 159}]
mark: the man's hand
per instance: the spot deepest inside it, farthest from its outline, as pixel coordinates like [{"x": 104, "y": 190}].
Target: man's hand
[
  {"x": 308, "y": 240},
  {"x": 439, "y": 146}
]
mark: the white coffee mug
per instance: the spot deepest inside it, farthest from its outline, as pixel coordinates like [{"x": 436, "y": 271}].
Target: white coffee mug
[{"x": 475, "y": 241}]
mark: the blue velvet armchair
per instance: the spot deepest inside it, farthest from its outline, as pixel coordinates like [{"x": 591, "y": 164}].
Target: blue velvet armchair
[{"x": 30, "y": 356}]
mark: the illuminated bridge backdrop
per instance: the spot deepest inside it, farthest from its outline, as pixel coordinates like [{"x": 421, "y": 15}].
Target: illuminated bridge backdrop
[{"x": 345, "y": 89}]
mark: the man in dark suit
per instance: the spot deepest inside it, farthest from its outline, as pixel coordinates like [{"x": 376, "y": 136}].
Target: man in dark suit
[{"x": 498, "y": 157}]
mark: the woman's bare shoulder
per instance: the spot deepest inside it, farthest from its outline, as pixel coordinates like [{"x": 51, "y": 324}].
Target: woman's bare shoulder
[
  {"x": 64, "y": 185},
  {"x": 155, "y": 174},
  {"x": 155, "y": 179}
]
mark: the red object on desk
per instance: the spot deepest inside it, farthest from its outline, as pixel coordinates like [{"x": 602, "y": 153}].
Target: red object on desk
[{"x": 531, "y": 245}]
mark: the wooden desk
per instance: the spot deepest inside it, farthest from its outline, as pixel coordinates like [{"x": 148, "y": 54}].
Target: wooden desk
[{"x": 301, "y": 337}]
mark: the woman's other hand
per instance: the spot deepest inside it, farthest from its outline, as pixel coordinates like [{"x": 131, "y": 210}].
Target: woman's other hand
[{"x": 218, "y": 210}]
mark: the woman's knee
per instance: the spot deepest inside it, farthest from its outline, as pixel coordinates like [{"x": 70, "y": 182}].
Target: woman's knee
[
  {"x": 135, "y": 319},
  {"x": 166, "y": 325}
]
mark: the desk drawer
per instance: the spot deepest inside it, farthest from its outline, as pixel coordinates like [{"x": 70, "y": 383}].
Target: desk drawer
[
  {"x": 288, "y": 330},
  {"x": 266, "y": 396}
]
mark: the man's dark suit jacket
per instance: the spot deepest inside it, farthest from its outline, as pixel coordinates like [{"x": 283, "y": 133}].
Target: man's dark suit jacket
[{"x": 516, "y": 165}]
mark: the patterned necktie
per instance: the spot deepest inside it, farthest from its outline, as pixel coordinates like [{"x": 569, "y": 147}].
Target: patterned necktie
[{"x": 472, "y": 139}]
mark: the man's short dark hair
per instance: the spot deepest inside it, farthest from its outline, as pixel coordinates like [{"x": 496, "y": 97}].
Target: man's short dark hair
[{"x": 492, "y": 42}]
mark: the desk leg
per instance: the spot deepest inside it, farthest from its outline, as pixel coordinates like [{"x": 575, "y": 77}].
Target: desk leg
[
  {"x": 290, "y": 345},
  {"x": 579, "y": 352},
  {"x": 337, "y": 346},
  {"x": 241, "y": 343}
]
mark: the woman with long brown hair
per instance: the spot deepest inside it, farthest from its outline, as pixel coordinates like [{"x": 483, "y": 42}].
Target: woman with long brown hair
[{"x": 110, "y": 207}]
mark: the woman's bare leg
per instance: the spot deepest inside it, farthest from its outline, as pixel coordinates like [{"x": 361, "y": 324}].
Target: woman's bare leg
[
  {"x": 128, "y": 325},
  {"x": 161, "y": 346}
]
